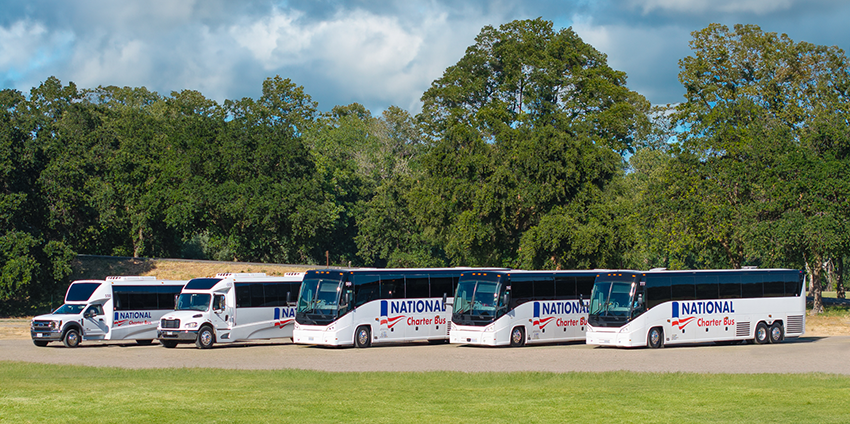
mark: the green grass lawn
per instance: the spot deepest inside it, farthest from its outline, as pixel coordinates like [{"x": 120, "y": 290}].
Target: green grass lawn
[{"x": 68, "y": 394}]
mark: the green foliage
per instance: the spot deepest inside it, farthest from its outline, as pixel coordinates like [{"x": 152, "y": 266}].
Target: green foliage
[{"x": 525, "y": 131}]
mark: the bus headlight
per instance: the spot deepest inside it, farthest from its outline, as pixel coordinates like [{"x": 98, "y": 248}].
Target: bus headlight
[
  {"x": 489, "y": 328},
  {"x": 624, "y": 329}
]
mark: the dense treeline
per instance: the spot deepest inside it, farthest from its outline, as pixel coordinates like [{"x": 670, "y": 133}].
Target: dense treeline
[{"x": 530, "y": 152}]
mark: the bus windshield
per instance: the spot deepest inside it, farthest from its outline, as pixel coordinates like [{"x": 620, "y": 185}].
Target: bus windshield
[
  {"x": 193, "y": 302},
  {"x": 319, "y": 296},
  {"x": 476, "y": 302},
  {"x": 611, "y": 299},
  {"x": 67, "y": 309}
]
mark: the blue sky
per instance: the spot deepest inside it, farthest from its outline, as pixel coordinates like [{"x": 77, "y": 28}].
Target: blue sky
[{"x": 377, "y": 53}]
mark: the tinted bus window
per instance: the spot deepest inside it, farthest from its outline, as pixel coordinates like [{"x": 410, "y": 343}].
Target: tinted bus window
[
  {"x": 522, "y": 290},
  {"x": 81, "y": 292},
  {"x": 793, "y": 284},
  {"x": 657, "y": 290},
  {"x": 707, "y": 287},
  {"x": 544, "y": 288},
  {"x": 443, "y": 285},
  {"x": 565, "y": 287},
  {"x": 392, "y": 287},
  {"x": 584, "y": 285},
  {"x": 774, "y": 285},
  {"x": 730, "y": 286},
  {"x": 367, "y": 287},
  {"x": 682, "y": 288},
  {"x": 417, "y": 286},
  {"x": 751, "y": 286}
]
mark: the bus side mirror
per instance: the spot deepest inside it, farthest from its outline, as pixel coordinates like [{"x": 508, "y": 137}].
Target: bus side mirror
[
  {"x": 506, "y": 299},
  {"x": 346, "y": 299},
  {"x": 445, "y": 296},
  {"x": 288, "y": 298}
]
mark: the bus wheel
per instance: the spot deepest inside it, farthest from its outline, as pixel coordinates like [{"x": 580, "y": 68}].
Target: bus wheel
[
  {"x": 168, "y": 343},
  {"x": 762, "y": 334},
  {"x": 39, "y": 343},
  {"x": 363, "y": 336},
  {"x": 655, "y": 339},
  {"x": 776, "y": 332},
  {"x": 144, "y": 342},
  {"x": 518, "y": 336},
  {"x": 71, "y": 338},
  {"x": 206, "y": 338}
]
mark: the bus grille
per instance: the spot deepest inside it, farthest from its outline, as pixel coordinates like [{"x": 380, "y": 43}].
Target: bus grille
[
  {"x": 170, "y": 323},
  {"x": 795, "y": 324},
  {"x": 743, "y": 329}
]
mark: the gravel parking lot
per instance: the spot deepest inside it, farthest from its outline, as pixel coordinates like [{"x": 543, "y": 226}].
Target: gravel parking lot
[{"x": 809, "y": 354}]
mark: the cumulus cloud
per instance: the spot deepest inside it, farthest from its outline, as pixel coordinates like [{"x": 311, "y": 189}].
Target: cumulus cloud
[
  {"x": 758, "y": 7},
  {"x": 378, "y": 53}
]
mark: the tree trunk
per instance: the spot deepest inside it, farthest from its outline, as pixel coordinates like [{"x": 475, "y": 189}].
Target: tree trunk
[
  {"x": 815, "y": 272},
  {"x": 139, "y": 244},
  {"x": 839, "y": 277}
]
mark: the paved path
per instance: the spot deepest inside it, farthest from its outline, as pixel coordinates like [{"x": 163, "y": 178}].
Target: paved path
[{"x": 809, "y": 354}]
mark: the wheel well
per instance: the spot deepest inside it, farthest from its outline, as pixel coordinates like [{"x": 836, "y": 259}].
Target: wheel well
[{"x": 72, "y": 325}]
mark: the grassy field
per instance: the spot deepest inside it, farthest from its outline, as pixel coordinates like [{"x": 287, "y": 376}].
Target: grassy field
[{"x": 69, "y": 394}]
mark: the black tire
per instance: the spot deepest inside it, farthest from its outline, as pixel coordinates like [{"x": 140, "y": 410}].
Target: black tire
[
  {"x": 206, "y": 338},
  {"x": 40, "y": 343},
  {"x": 71, "y": 338},
  {"x": 777, "y": 333},
  {"x": 762, "y": 335},
  {"x": 518, "y": 337},
  {"x": 655, "y": 338},
  {"x": 144, "y": 342},
  {"x": 363, "y": 336},
  {"x": 170, "y": 344}
]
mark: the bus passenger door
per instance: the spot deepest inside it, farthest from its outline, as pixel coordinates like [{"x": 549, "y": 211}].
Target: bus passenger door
[
  {"x": 94, "y": 323},
  {"x": 222, "y": 315}
]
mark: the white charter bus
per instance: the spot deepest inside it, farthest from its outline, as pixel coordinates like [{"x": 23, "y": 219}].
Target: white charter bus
[
  {"x": 232, "y": 308},
  {"x": 658, "y": 308},
  {"x": 338, "y": 307},
  {"x": 118, "y": 308},
  {"x": 500, "y": 308}
]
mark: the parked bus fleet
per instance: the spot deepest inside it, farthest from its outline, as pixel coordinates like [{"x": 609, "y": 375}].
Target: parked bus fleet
[{"x": 469, "y": 306}]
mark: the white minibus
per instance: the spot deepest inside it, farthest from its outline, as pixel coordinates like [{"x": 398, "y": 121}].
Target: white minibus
[
  {"x": 232, "y": 308},
  {"x": 118, "y": 308}
]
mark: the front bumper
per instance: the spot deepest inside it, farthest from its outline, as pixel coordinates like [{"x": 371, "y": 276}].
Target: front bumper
[
  {"x": 473, "y": 337},
  {"x": 47, "y": 336},
  {"x": 180, "y": 336}
]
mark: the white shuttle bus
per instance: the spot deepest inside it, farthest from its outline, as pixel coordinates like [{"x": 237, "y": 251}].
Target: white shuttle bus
[
  {"x": 339, "y": 307},
  {"x": 118, "y": 308},
  {"x": 658, "y": 308},
  {"x": 501, "y": 308},
  {"x": 232, "y": 308}
]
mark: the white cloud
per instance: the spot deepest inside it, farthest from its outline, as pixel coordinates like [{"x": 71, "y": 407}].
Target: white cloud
[
  {"x": 26, "y": 45},
  {"x": 695, "y": 7}
]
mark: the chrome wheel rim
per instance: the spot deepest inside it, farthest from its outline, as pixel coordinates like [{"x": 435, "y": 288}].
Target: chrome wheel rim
[
  {"x": 362, "y": 337},
  {"x": 654, "y": 337},
  {"x": 206, "y": 337},
  {"x": 73, "y": 339},
  {"x": 762, "y": 334},
  {"x": 517, "y": 336},
  {"x": 776, "y": 333}
]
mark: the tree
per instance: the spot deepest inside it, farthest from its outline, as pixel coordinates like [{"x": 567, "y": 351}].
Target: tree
[
  {"x": 766, "y": 136},
  {"x": 526, "y": 124}
]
